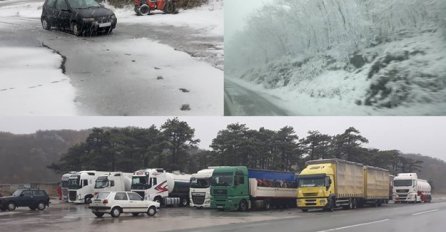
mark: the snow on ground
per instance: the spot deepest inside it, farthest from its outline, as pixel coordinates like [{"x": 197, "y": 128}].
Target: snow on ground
[
  {"x": 413, "y": 83},
  {"x": 177, "y": 80},
  {"x": 208, "y": 18},
  {"x": 22, "y": 9},
  {"x": 32, "y": 83}
]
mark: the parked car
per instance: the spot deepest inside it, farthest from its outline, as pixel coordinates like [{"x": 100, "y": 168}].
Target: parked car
[
  {"x": 79, "y": 16},
  {"x": 32, "y": 198},
  {"x": 116, "y": 203}
]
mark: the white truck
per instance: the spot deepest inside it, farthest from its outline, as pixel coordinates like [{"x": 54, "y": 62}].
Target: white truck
[
  {"x": 64, "y": 180},
  {"x": 113, "y": 181},
  {"x": 81, "y": 186},
  {"x": 408, "y": 188},
  {"x": 161, "y": 186},
  {"x": 200, "y": 188}
]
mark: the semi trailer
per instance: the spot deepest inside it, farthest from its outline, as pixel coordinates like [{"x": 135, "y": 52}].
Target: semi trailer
[
  {"x": 240, "y": 188},
  {"x": 113, "y": 181},
  {"x": 331, "y": 183},
  {"x": 408, "y": 188},
  {"x": 81, "y": 186},
  {"x": 200, "y": 188},
  {"x": 158, "y": 185}
]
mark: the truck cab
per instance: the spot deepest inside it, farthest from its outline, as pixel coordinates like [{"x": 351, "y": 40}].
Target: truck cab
[
  {"x": 200, "y": 189},
  {"x": 408, "y": 188},
  {"x": 230, "y": 189},
  {"x": 316, "y": 186},
  {"x": 113, "y": 181},
  {"x": 81, "y": 186}
]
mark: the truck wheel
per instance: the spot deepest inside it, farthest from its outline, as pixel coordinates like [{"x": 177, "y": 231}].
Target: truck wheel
[
  {"x": 243, "y": 206},
  {"x": 41, "y": 206},
  {"x": 151, "y": 211},
  {"x": 11, "y": 206},
  {"x": 99, "y": 215},
  {"x": 115, "y": 212}
]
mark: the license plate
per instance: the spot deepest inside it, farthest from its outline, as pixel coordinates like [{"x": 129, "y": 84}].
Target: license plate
[{"x": 104, "y": 24}]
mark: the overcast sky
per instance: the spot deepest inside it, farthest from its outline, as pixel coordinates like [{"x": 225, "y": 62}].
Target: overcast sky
[
  {"x": 424, "y": 135},
  {"x": 236, "y": 12}
]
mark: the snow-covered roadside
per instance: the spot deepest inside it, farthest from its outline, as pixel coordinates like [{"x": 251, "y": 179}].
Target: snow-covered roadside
[
  {"x": 22, "y": 9},
  {"x": 208, "y": 18},
  {"x": 177, "y": 83},
  {"x": 410, "y": 76},
  {"x": 32, "y": 83}
]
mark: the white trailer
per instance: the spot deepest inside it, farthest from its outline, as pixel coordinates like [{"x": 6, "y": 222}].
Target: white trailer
[
  {"x": 408, "y": 188},
  {"x": 161, "y": 186},
  {"x": 81, "y": 186},
  {"x": 200, "y": 188},
  {"x": 113, "y": 181}
]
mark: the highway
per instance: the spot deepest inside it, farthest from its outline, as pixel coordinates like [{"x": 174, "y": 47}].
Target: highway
[{"x": 391, "y": 217}]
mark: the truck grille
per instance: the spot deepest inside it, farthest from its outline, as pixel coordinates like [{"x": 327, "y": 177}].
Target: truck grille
[
  {"x": 310, "y": 194},
  {"x": 402, "y": 190},
  {"x": 198, "y": 199},
  {"x": 310, "y": 202},
  {"x": 72, "y": 195},
  {"x": 220, "y": 191}
]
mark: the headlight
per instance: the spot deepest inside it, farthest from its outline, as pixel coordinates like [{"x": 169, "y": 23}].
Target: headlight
[
  {"x": 88, "y": 19},
  {"x": 113, "y": 16}
]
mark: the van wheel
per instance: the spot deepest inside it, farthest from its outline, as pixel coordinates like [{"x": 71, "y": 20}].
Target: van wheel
[
  {"x": 99, "y": 215},
  {"x": 45, "y": 24},
  {"x": 243, "y": 206},
  {"x": 11, "y": 206},
  {"x": 115, "y": 212},
  {"x": 41, "y": 206},
  {"x": 151, "y": 211}
]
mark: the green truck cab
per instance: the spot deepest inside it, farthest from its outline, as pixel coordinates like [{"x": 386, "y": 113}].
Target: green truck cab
[{"x": 229, "y": 188}]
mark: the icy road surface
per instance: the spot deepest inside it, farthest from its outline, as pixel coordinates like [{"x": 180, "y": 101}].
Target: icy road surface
[{"x": 142, "y": 68}]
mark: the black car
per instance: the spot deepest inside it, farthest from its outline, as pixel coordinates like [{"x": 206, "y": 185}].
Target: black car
[
  {"x": 79, "y": 16},
  {"x": 32, "y": 198}
]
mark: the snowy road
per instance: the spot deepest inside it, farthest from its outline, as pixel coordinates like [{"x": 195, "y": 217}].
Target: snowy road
[
  {"x": 140, "y": 69},
  {"x": 240, "y": 101}
]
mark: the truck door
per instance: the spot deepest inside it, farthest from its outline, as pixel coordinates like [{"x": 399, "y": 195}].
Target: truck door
[{"x": 240, "y": 185}]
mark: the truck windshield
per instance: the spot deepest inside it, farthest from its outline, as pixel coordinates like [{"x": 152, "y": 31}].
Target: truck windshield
[
  {"x": 222, "y": 179},
  {"x": 311, "y": 182},
  {"x": 399, "y": 183},
  {"x": 101, "y": 182},
  {"x": 140, "y": 182},
  {"x": 82, "y": 4},
  {"x": 74, "y": 183},
  {"x": 64, "y": 184},
  {"x": 200, "y": 182}
]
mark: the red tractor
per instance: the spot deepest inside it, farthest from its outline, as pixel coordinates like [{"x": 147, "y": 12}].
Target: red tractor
[{"x": 143, "y": 7}]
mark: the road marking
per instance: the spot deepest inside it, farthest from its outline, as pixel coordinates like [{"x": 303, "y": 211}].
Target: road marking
[
  {"x": 429, "y": 211},
  {"x": 352, "y": 226}
]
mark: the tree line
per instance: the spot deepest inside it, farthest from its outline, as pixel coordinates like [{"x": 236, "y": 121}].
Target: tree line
[{"x": 173, "y": 146}]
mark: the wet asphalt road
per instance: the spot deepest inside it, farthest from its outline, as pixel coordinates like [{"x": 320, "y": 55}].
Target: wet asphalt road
[
  {"x": 240, "y": 101},
  {"x": 397, "y": 218},
  {"x": 103, "y": 85}
]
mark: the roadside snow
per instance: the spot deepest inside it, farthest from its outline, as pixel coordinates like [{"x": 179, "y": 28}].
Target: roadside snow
[
  {"x": 31, "y": 83},
  {"x": 21, "y": 9},
  {"x": 208, "y": 18}
]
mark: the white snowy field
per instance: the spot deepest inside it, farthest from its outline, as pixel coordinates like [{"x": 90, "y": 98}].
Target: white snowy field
[{"x": 32, "y": 83}]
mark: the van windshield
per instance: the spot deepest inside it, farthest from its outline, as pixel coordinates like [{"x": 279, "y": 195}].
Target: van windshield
[{"x": 83, "y": 4}]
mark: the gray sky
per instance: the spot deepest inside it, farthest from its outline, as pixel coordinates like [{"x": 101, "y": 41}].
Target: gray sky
[
  {"x": 424, "y": 135},
  {"x": 236, "y": 12}
]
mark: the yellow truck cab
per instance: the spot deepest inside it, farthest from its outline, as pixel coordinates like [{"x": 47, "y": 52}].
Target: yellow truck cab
[{"x": 331, "y": 183}]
